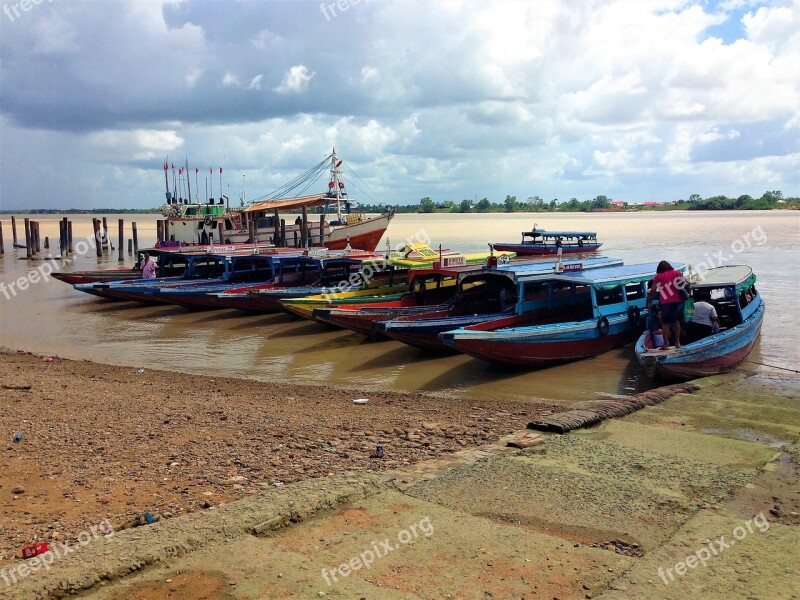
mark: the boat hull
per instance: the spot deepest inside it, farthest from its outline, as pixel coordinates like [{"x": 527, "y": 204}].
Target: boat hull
[
  {"x": 544, "y": 250},
  {"x": 96, "y": 276},
  {"x": 423, "y": 331}
]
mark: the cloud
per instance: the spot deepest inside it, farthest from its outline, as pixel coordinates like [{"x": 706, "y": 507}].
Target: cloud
[
  {"x": 255, "y": 82},
  {"x": 295, "y": 81}
]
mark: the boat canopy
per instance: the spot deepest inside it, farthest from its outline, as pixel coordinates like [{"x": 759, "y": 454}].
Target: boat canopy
[
  {"x": 289, "y": 203},
  {"x": 739, "y": 276},
  {"x": 548, "y": 233},
  {"x": 611, "y": 277},
  {"x": 548, "y": 267}
]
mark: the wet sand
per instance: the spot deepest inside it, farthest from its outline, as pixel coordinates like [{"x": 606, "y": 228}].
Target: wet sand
[{"x": 107, "y": 442}]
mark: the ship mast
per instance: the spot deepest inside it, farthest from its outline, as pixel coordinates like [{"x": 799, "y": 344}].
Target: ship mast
[{"x": 336, "y": 184}]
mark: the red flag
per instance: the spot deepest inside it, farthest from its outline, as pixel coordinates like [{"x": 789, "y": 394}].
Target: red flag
[
  {"x": 173, "y": 166},
  {"x": 196, "y": 170},
  {"x": 166, "y": 166},
  {"x": 220, "y": 170},
  {"x": 180, "y": 171},
  {"x": 211, "y": 170}
]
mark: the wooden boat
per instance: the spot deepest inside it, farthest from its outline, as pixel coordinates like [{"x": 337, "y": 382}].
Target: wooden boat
[
  {"x": 198, "y": 269},
  {"x": 428, "y": 290},
  {"x": 478, "y": 299},
  {"x": 250, "y": 272},
  {"x": 542, "y": 242},
  {"x": 260, "y": 224},
  {"x": 740, "y": 310},
  {"x": 574, "y": 316}
]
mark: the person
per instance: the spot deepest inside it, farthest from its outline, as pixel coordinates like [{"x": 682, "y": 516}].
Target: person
[
  {"x": 506, "y": 299},
  {"x": 148, "y": 267},
  {"x": 668, "y": 283},
  {"x": 705, "y": 316}
]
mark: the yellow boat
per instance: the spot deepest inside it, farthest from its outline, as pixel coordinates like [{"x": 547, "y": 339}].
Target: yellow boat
[
  {"x": 304, "y": 307},
  {"x": 421, "y": 256}
]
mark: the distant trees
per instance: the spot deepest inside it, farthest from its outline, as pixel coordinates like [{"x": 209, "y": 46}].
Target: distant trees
[
  {"x": 510, "y": 203},
  {"x": 426, "y": 205},
  {"x": 465, "y": 206},
  {"x": 483, "y": 205}
]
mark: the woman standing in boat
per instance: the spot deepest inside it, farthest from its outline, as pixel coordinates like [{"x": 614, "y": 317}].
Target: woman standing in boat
[{"x": 668, "y": 283}]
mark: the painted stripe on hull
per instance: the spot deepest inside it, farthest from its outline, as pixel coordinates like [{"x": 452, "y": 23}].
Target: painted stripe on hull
[
  {"x": 538, "y": 353},
  {"x": 527, "y": 250}
]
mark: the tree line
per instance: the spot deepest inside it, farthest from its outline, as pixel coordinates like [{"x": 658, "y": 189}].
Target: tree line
[{"x": 769, "y": 200}]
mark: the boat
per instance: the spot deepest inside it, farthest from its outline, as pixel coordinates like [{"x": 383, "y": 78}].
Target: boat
[
  {"x": 260, "y": 224},
  {"x": 279, "y": 272},
  {"x": 540, "y": 242},
  {"x": 429, "y": 290},
  {"x": 190, "y": 268},
  {"x": 478, "y": 300},
  {"x": 740, "y": 310},
  {"x": 574, "y": 315}
]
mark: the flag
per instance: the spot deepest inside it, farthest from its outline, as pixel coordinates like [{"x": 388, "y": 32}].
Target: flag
[
  {"x": 196, "y": 170},
  {"x": 166, "y": 166},
  {"x": 220, "y": 170},
  {"x": 211, "y": 170},
  {"x": 173, "y": 166}
]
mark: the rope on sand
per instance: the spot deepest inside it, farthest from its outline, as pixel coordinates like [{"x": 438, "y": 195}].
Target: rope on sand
[{"x": 752, "y": 362}]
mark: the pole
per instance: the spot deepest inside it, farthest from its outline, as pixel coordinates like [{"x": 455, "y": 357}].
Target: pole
[
  {"x": 130, "y": 246},
  {"x": 37, "y": 245},
  {"x": 188, "y": 182},
  {"x": 2, "y": 248},
  {"x": 105, "y": 234},
  {"x": 62, "y": 238},
  {"x": 304, "y": 225},
  {"x": 322, "y": 230},
  {"x": 275, "y": 240},
  {"x": 98, "y": 238},
  {"x": 283, "y": 232},
  {"x": 69, "y": 237},
  {"x": 135, "y": 240},
  {"x": 14, "y": 229},
  {"x": 27, "y": 238},
  {"x": 121, "y": 223}
]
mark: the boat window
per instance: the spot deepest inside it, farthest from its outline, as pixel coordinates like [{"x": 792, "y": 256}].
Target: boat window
[
  {"x": 534, "y": 290},
  {"x": 743, "y": 299},
  {"x": 612, "y": 296},
  {"x": 635, "y": 291}
]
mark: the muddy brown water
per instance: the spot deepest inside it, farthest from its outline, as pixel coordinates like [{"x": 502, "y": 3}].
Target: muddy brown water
[{"x": 51, "y": 317}]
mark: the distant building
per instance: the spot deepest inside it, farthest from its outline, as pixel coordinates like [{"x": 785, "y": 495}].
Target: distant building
[
  {"x": 619, "y": 203},
  {"x": 651, "y": 203}
]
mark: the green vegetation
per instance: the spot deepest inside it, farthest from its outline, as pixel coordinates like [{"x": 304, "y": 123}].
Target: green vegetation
[{"x": 769, "y": 200}]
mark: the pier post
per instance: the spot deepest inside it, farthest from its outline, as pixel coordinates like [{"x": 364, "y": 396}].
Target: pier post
[
  {"x": 283, "y": 232},
  {"x": 37, "y": 244},
  {"x": 98, "y": 237},
  {"x": 130, "y": 246},
  {"x": 105, "y": 235},
  {"x": 62, "y": 239},
  {"x": 14, "y": 229},
  {"x": 121, "y": 248},
  {"x": 135, "y": 240},
  {"x": 27, "y": 238},
  {"x": 69, "y": 237},
  {"x": 252, "y": 228},
  {"x": 304, "y": 230},
  {"x": 276, "y": 221},
  {"x": 322, "y": 230},
  {"x": 159, "y": 230},
  {"x": 2, "y": 247},
  {"x": 46, "y": 242}
]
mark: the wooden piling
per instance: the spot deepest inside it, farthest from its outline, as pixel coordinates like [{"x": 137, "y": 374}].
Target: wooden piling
[
  {"x": 322, "y": 230},
  {"x": 14, "y": 230},
  {"x": 46, "y": 242},
  {"x": 62, "y": 239},
  {"x": 283, "y": 232},
  {"x": 37, "y": 244},
  {"x": 106, "y": 241},
  {"x": 252, "y": 225},
  {"x": 276, "y": 221},
  {"x": 160, "y": 230},
  {"x": 130, "y": 246},
  {"x": 69, "y": 237},
  {"x": 135, "y": 240},
  {"x": 304, "y": 226},
  {"x": 98, "y": 237},
  {"x": 27, "y": 238},
  {"x": 2, "y": 247},
  {"x": 121, "y": 245}
]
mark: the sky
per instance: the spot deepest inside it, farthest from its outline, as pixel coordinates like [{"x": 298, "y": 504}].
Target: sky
[{"x": 637, "y": 100}]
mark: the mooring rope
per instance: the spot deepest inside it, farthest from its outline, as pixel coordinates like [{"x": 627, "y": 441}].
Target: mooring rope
[{"x": 752, "y": 362}]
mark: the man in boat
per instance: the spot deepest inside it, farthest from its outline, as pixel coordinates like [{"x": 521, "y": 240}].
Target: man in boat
[
  {"x": 705, "y": 316},
  {"x": 148, "y": 267}
]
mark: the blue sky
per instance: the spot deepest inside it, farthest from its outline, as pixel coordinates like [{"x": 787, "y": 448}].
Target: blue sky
[{"x": 635, "y": 99}]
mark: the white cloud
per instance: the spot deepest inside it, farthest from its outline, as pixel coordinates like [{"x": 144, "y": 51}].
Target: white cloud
[
  {"x": 229, "y": 79},
  {"x": 54, "y": 35},
  {"x": 295, "y": 80},
  {"x": 192, "y": 77},
  {"x": 255, "y": 83}
]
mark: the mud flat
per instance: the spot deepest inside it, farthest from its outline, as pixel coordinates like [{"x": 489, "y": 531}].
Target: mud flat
[{"x": 695, "y": 497}]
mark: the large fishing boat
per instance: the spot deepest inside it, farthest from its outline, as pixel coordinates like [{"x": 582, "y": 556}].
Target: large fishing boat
[
  {"x": 740, "y": 312},
  {"x": 337, "y": 225}
]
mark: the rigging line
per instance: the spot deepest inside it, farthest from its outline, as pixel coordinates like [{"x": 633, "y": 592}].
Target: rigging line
[
  {"x": 293, "y": 183},
  {"x": 355, "y": 185},
  {"x": 357, "y": 175},
  {"x": 308, "y": 185},
  {"x": 772, "y": 366}
]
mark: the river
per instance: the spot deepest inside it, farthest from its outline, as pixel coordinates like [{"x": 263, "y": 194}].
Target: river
[{"x": 50, "y": 317}]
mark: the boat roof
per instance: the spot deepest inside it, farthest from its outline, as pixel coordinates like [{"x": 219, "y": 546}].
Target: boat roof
[
  {"x": 547, "y": 267},
  {"x": 613, "y": 275},
  {"x": 289, "y": 203},
  {"x": 547, "y": 232},
  {"x": 734, "y": 275}
]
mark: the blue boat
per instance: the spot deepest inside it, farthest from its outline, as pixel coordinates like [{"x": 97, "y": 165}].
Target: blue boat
[
  {"x": 574, "y": 316},
  {"x": 740, "y": 310},
  {"x": 541, "y": 242},
  {"x": 478, "y": 300}
]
